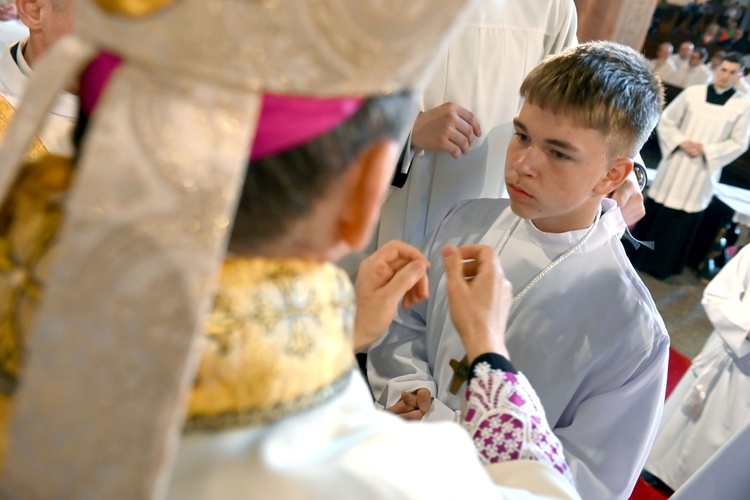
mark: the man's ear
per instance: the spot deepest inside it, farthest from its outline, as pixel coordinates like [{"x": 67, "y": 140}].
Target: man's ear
[
  {"x": 367, "y": 182},
  {"x": 619, "y": 169},
  {"x": 29, "y": 12}
]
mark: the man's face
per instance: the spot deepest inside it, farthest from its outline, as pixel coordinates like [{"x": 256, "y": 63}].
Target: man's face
[
  {"x": 663, "y": 52},
  {"x": 552, "y": 169},
  {"x": 727, "y": 75},
  {"x": 686, "y": 49},
  {"x": 695, "y": 59}
]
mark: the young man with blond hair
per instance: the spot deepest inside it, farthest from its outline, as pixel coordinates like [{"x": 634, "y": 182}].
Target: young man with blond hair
[{"x": 583, "y": 327}]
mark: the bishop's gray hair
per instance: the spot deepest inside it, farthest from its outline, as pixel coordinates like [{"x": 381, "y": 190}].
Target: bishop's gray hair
[{"x": 283, "y": 188}]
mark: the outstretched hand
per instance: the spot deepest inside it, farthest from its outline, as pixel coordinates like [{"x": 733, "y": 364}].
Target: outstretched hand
[
  {"x": 449, "y": 128},
  {"x": 479, "y": 298},
  {"x": 395, "y": 272}
]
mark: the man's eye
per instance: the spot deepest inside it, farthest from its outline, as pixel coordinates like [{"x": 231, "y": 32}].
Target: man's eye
[{"x": 559, "y": 155}]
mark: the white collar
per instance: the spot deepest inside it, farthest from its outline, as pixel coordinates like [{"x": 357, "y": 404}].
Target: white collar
[
  {"x": 611, "y": 221},
  {"x": 12, "y": 80},
  {"x": 720, "y": 91},
  {"x": 21, "y": 60}
]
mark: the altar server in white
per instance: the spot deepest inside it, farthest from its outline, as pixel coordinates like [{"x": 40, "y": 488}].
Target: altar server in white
[
  {"x": 703, "y": 130},
  {"x": 583, "y": 327},
  {"x": 663, "y": 65},
  {"x": 693, "y": 73},
  {"x": 711, "y": 402}
]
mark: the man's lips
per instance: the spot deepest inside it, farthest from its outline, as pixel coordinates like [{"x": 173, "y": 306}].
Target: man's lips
[{"x": 517, "y": 191}]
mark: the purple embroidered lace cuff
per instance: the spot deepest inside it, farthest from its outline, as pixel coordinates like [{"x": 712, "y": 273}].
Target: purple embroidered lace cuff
[{"x": 506, "y": 420}]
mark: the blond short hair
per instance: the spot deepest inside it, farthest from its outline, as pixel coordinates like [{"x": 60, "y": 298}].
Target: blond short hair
[{"x": 604, "y": 86}]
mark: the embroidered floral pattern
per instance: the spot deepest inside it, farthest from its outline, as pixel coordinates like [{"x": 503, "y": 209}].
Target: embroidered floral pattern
[
  {"x": 507, "y": 422},
  {"x": 278, "y": 341}
]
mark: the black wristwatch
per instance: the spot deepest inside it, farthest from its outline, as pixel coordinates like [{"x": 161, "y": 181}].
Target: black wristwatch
[{"x": 640, "y": 174}]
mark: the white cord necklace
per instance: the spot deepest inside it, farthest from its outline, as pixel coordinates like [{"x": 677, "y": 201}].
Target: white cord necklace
[{"x": 567, "y": 253}]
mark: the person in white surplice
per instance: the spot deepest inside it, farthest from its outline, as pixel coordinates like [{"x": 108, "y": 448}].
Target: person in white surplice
[
  {"x": 693, "y": 73},
  {"x": 663, "y": 65},
  {"x": 587, "y": 333},
  {"x": 711, "y": 402},
  {"x": 703, "y": 130}
]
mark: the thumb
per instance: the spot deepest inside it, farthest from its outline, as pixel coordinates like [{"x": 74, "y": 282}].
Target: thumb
[
  {"x": 454, "y": 268},
  {"x": 424, "y": 400}
]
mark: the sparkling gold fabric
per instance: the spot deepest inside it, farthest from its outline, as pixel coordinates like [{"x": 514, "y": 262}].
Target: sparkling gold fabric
[
  {"x": 134, "y": 8},
  {"x": 6, "y": 113},
  {"x": 278, "y": 341}
]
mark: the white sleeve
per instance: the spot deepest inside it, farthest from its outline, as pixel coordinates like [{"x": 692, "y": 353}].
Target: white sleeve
[
  {"x": 607, "y": 442},
  {"x": 723, "y": 153},
  {"x": 727, "y": 302},
  {"x": 397, "y": 362},
  {"x": 668, "y": 130},
  {"x": 566, "y": 27}
]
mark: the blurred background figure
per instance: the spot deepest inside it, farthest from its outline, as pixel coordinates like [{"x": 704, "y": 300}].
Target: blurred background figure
[
  {"x": 683, "y": 53},
  {"x": 701, "y": 131},
  {"x": 710, "y": 404},
  {"x": 663, "y": 65},
  {"x": 694, "y": 73}
]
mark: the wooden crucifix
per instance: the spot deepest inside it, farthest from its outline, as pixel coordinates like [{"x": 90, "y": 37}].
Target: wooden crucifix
[{"x": 460, "y": 373}]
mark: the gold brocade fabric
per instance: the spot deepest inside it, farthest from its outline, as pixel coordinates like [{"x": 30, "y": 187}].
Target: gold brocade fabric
[
  {"x": 278, "y": 342},
  {"x": 6, "y": 114}
]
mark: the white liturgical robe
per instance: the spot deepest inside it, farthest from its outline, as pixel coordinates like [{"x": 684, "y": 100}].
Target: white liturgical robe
[
  {"x": 712, "y": 401},
  {"x": 686, "y": 76},
  {"x": 665, "y": 69},
  {"x": 587, "y": 336},
  {"x": 482, "y": 71},
  {"x": 57, "y": 131},
  {"x": 687, "y": 183}
]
